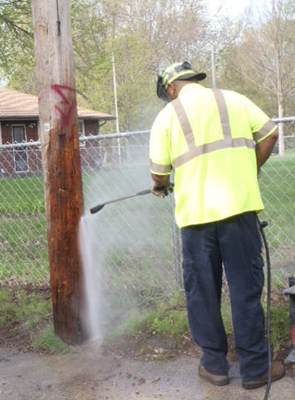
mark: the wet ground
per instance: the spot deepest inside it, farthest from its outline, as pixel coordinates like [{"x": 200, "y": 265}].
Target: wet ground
[{"x": 90, "y": 374}]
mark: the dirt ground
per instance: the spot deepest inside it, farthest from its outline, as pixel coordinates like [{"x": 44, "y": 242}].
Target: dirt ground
[
  {"x": 93, "y": 373},
  {"x": 143, "y": 367}
]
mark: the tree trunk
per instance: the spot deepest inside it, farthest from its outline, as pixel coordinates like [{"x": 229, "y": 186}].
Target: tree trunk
[
  {"x": 61, "y": 160},
  {"x": 280, "y": 104},
  {"x": 281, "y": 125},
  {"x": 279, "y": 78}
]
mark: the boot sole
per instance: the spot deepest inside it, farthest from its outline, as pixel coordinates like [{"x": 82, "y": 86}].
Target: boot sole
[
  {"x": 222, "y": 382},
  {"x": 256, "y": 385}
]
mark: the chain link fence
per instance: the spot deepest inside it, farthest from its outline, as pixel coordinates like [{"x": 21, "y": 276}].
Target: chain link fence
[{"x": 135, "y": 242}]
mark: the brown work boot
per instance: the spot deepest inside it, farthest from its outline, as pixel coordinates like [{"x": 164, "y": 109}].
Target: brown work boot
[
  {"x": 277, "y": 372},
  {"x": 217, "y": 380}
]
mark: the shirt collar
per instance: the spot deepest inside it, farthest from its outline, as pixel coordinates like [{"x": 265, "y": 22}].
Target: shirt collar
[{"x": 189, "y": 87}]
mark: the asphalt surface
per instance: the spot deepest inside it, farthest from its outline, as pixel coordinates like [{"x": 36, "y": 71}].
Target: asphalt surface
[{"x": 88, "y": 374}]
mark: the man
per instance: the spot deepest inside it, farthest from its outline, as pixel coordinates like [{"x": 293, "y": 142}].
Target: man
[{"x": 216, "y": 142}]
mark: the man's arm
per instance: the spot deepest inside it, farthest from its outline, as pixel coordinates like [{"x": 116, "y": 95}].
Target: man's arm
[
  {"x": 161, "y": 181},
  {"x": 265, "y": 148}
]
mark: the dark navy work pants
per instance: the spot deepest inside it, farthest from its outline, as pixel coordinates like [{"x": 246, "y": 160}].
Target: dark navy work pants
[{"x": 234, "y": 243}]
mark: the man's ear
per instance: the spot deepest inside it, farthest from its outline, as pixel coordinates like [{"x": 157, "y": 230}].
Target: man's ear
[{"x": 171, "y": 90}]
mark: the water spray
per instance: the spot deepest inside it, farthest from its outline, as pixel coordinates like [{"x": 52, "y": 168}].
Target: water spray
[{"x": 101, "y": 206}]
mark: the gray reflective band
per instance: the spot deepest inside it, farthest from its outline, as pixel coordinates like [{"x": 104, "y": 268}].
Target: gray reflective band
[
  {"x": 224, "y": 118},
  {"x": 196, "y": 151},
  {"x": 184, "y": 123},
  {"x": 210, "y": 147},
  {"x": 265, "y": 130},
  {"x": 160, "y": 169}
]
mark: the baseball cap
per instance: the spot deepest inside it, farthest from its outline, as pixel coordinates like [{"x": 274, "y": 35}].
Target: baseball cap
[{"x": 181, "y": 71}]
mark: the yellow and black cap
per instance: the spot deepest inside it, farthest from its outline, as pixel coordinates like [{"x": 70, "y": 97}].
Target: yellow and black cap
[{"x": 177, "y": 71}]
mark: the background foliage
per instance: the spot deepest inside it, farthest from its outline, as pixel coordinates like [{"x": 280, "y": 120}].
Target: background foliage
[{"x": 254, "y": 54}]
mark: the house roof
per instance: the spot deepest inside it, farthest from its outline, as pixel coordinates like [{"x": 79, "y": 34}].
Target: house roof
[{"x": 17, "y": 105}]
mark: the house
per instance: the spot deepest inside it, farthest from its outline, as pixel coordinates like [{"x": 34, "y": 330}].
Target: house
[{"x": 19, "y": 123}]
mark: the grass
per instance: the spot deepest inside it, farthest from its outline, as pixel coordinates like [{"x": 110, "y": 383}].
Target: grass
[
  {"x": 21, "y": 196},
  {"x": 278, "y": 192},
  {"x": 169, "y": 319},
  {"x": 25, "y": 313},
  {"x": 24, "y": 249},
  {"x": 49, "y": 343},
  {"x": 23, "y": 309}
]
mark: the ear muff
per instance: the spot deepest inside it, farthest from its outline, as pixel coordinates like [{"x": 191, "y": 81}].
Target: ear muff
[{"x": 161, "y": 91}]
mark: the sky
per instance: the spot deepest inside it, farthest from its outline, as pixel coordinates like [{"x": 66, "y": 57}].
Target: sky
[{"x": 235, "y": 7}]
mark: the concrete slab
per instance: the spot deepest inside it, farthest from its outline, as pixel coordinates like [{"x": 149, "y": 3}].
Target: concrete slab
[{"x": 89, "y": 375}]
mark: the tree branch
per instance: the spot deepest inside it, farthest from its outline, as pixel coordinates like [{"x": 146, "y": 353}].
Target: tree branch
[{"x": 14, "y": 26}]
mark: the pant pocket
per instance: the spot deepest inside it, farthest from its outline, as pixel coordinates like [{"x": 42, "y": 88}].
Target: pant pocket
[
  {"x": 257, "y": 265},
  {"x": 187, "y": 277}
]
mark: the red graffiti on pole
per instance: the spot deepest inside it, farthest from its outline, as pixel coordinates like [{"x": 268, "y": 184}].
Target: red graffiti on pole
[{"x": 62, "y": 92}]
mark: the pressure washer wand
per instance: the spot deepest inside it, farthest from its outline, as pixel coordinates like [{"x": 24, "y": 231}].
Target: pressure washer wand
[{"x": 101, "y": 206}]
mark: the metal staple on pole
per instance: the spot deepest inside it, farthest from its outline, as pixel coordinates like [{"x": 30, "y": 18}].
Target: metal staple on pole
[{"x": 58, "y": 19}]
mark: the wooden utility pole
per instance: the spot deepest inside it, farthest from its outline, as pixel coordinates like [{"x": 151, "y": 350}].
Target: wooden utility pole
[{"x": 61, "y": 160}]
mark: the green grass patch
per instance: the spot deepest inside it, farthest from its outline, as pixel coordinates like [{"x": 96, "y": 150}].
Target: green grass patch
[
  {"x": 24, "y": 249},
  {"x": 22, "y": 309},
  {"x": 227, "y": 318},
  {"x": 49, "y": 343},
  {"x": 278, "y": 192},
  {"x": 280, "y": 327},
  {"x": 25, "y": 312},
  {"x": 280, "y": 323},
  {"x": 167, "y": 323},
  {"x": 21, "y": 196},
  {"x": 169, "y": 319}
]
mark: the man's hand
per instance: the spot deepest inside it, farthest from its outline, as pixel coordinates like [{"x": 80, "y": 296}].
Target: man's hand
[
  {"x": 162, "y": 186},
  {"x": 162, "y": 192}
]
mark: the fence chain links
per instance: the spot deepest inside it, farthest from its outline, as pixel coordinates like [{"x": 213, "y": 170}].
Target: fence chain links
[{"x": 136, "y": 242}]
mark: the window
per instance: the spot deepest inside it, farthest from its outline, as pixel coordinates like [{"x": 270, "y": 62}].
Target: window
[
  {"x": 20, "y": 153},
  {"x": 82, "y": 132}
]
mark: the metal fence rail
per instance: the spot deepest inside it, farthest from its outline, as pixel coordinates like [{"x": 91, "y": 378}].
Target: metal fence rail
[{"x": 135, "y": 243}]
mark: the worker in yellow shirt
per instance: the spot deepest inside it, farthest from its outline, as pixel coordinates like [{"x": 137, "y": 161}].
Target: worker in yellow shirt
[{"x": 216, "y": 141}]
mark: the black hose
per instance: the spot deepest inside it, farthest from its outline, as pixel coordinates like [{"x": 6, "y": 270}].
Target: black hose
[{"x": 262, "y": 225}]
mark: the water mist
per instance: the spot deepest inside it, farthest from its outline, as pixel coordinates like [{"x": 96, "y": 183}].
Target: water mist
[
  {"x": 93, "y": 297},
  {"x": 126, "y": 248}
]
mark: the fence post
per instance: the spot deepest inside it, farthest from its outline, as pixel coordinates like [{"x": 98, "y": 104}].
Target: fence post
[{"x": 176, "y": 246}]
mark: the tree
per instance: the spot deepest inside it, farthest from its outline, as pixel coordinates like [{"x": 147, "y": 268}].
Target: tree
[
  {"x": 144, "y": 35},
  {"x": 263, "y": 58},
  {"x": 16, "y": 41}
]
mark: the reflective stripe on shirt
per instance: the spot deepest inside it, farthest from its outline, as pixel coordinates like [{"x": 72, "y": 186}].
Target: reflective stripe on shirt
[{"x": 227, "y": 142}]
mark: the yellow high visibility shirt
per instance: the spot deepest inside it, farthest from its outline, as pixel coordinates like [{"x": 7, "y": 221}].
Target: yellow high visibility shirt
[{"x": 208, "y": 137}]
